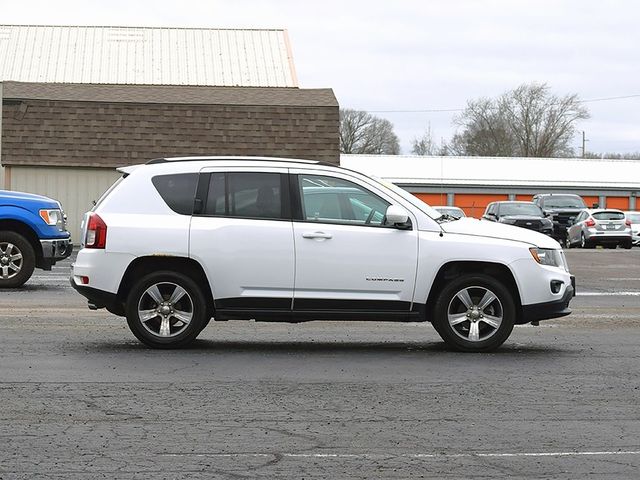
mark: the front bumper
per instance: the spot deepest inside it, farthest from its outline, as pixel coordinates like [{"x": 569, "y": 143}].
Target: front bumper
[
  {"x": 549, "y": 310},
  {"x": 54, "y": 250}
]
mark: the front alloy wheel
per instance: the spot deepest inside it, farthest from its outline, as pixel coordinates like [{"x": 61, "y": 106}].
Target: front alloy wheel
[
  {"x": 166, "y": 310},
  {"x": 474, "y": 313},
  {"x": 17, "y": 259}
]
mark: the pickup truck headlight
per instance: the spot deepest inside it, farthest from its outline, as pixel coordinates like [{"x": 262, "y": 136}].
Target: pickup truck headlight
[
  {"x": 549, "y": 257},
  {"x": 51, "y": 216}
]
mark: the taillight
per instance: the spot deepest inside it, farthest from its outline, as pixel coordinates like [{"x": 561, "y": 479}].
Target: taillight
[
  {"x": 590, "y": 223},
  {"x": 627, "y": 222},
  {"x": 96, "y": 232}
]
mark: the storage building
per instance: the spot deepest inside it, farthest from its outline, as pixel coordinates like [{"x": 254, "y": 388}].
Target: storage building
[
  {"x": 79, "y": 101},
  {"x": 471, "y": 183}
]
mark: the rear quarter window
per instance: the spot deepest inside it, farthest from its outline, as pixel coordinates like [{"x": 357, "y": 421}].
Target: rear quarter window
[{"x": 177, "y": 190}]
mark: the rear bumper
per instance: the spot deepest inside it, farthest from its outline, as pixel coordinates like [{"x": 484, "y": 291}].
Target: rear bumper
[
  {"x": 99, "y": 298},
  {"x": 549, "y": 310},
  {"x": 602, "y": 238}
]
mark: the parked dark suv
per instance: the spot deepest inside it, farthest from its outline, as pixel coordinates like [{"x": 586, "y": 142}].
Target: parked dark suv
[
  {"x": 561, "y": 209},
  {"x": 520, "y": 214}
]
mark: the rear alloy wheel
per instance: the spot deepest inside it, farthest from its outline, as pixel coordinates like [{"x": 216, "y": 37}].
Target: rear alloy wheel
[
  {"x": 584, "y": 243},
  {"x": 166, "y": 310},
  {"x": 474, "y": 314},
  {"x": 17, "y": 260}
]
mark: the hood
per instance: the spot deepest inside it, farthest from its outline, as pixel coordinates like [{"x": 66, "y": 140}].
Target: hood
[
  {"x": 471, "y": 226},
  {"x": 8, "y": 197}
]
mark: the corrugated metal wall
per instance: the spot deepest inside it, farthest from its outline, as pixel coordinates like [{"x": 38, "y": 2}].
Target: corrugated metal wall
[{"x": 75, "y": 188}]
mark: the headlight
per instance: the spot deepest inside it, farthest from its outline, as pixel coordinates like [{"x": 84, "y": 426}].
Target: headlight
[
  {"x": 548, "y": 256},
  {"x": 51, "y": 217},
  {"x": 547, "y": 223}
]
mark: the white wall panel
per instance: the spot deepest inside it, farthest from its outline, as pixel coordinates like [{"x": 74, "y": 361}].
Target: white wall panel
[{"x": 75, "y": 188}]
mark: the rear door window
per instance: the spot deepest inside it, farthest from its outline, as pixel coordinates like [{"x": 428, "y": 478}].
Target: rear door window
[{"x": 246, "y": 195}]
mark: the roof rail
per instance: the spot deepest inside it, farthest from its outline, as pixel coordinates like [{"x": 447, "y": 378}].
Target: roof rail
[{"x": 242, "y": 159}]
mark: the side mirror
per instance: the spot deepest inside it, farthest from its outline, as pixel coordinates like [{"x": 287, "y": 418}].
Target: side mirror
[{"x": 398, "y": 217}]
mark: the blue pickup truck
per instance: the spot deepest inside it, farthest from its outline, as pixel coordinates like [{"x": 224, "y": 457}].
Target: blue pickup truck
[{"x": 33, "y": 234}]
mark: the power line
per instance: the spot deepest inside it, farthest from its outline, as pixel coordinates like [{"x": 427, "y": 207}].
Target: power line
[
  {"x": 448, "y": 110},
  {"x": 604, "y": 99}
]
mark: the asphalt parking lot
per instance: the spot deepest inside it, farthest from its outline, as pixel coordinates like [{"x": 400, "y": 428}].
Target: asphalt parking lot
[{"x": 81, "y": 398}]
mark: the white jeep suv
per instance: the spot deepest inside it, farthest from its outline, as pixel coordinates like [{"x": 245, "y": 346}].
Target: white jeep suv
[{"x": 176, "y": 242}]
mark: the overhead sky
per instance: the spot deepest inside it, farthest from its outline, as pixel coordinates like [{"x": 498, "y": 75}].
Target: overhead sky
[{"x": 401, "y": 59}]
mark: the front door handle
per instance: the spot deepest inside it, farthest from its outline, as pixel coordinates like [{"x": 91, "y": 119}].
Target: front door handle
[{"x": 317, "y": 235}]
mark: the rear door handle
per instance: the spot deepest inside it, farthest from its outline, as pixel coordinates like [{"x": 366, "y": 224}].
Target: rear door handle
[{"x": 317, "y": 235}]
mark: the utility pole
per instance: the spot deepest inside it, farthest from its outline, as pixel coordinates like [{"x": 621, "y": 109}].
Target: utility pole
[{"x": 584, "y": 143}]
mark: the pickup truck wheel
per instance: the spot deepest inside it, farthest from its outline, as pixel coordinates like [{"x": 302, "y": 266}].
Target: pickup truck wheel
[
  {"x": 17, "y": 260},
  {"x": 166, "y": 310},
  {"x": 474, "y": 313}
]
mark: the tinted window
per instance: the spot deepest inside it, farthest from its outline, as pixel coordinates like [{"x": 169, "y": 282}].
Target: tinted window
[
  {"x": 247, "y": 195},
  {"x": 177, "y": 190},
  {"x": 520, "y": 209},
  {"x": 333, "y": 200},
  {"x": 609, "y": 216}
]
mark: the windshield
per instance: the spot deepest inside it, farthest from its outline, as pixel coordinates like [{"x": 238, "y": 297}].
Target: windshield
[
  {"x": 520, "y": 209},
  {"x": 451, "y": 211},
  {"x": 563, "y": 202},
  {"x": 634, "y": 217},
  {"x": 412, "y": 199}
]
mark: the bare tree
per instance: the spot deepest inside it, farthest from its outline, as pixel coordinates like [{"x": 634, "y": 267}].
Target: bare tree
[
  {"x": 614, "y": 155},
  {"x": 361, "y": 132},
  {"x": 526, "y": 122},
  {"x": 425, "y": 145}
]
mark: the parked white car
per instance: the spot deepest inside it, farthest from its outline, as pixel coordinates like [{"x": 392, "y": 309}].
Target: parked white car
[
  {"x": 177, "y": 242},
  {"x": 634, "y": 219},
  {"x": 452, "y": 211}
]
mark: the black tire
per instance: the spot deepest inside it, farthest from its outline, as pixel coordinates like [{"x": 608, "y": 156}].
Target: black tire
[
  {"x": 627, "y": 245},
  {"x": 177, "y": 333},
  {"x": 476, "y": 286},
  {"x": 14, "y": 271},
  {"x": 584, "y": 243}
]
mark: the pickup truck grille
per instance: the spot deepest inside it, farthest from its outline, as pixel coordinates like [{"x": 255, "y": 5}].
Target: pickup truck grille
[
  {"x": 530, "y": 224},
  {"x": 564, "y": 218}
]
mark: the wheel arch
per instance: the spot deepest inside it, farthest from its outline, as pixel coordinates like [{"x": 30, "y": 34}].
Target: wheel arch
[
  {"x": 454, "y": 269},
  {"x": 21, "y": 228},
  {"x": 148, "y": 264}
]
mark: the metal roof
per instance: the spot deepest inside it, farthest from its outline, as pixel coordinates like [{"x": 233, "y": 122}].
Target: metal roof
[
  {"x": 416, "y": 171},
  {"x": 151, "y": 56}
]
